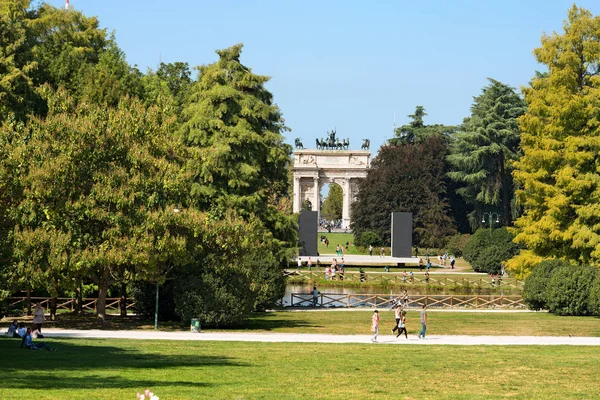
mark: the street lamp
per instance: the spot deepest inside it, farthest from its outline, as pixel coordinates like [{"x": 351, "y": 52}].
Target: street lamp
[
  {"x": 176, "y": 210},
  {"x": 490, "y": 216}
]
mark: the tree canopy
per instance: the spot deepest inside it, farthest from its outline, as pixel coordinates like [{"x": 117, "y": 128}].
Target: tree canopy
[
  {"x": 406, "y": 178},
  {"x": 416, "y": 131},
  {"x": 333, "y": 204},
  {"x": 483, "y": 150},
  {"x": 559, "y": 171}
]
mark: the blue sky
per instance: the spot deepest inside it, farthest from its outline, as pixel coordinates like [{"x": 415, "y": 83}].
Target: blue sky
[{"x": 348, "y": 65}]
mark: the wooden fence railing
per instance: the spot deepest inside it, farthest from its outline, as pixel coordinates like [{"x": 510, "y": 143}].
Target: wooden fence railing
[
  {"x": 397, "y": 279},
  {"x": 68, "y": 303},
  {"x": 385, "y": 300}
]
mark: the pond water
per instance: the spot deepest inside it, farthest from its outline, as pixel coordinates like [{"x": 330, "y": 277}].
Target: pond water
[{"x": 337, "y": 296}]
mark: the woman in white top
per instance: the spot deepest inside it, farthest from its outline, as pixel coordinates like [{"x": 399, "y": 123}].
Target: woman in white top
[{"x": 38, "y": 319}]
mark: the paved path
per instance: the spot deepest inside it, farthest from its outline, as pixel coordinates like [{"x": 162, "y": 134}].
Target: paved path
[{"x": 320, "y": 338}]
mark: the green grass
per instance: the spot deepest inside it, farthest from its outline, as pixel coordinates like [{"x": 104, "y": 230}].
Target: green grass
[
  {"x": 358, "y": 322},
  {"x": 117, "y": 369},
  {"x": 334, "y": 240},
  {"x": 440, "y": 323}
]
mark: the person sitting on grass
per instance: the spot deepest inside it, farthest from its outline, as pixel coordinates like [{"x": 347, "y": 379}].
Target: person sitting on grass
[
  {"x": 27, "y": 342},
  {"x": 21, "y": 331},
  {"x": 12, "y": 330}
]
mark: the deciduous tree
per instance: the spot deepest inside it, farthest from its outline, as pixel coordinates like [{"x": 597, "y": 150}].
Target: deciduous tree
[
  {"x": 559, "y": 170},
  {"x": 406, "y": 178}
]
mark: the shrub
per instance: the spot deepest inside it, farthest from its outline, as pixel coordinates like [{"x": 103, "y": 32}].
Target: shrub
[
  {"x": 368, "y": 238},
  {"x": 594, "y": 300},
  {"x": 144, "y": 294},
  {"x": 486, "y": 250},
  {"x": 457, "y": 244},
  {"x": 534, "y": 291},
  {"x": 568, "y": 292}
]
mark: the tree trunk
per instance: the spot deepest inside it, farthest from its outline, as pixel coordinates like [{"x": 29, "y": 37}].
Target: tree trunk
[
  {"x": 123, "y": 300},
  {"x": 505, "y": 193},
  {"x": 53, "y": 305},
  {"x": 103, "y": 284},
  {"x": 28, "y": 301},
  {"x": 79, "y": 298}
]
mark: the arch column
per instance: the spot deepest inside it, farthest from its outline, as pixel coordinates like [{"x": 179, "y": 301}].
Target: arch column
[
  {"x": 296, "y": 202},
  {"x": 317, "y": 199},
  {"x": 346, "y": 203}
]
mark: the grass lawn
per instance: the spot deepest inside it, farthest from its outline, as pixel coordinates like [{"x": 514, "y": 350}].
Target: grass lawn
[
  {"x": 358, "y": 322},
  {"x": 334, "y": 240},
  {"x": 440, "y": 323},
  {"x": 117, "y": 369}
]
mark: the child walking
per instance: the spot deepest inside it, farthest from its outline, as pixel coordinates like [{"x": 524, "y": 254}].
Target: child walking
[
  {"x": 375, "y": 325},
  {"x": 402, "y": 325}
]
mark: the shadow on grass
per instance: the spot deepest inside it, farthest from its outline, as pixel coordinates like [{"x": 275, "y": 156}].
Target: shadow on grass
[
  {"x": 268, "y": 321},
  {"x": 91, "y": 365}
]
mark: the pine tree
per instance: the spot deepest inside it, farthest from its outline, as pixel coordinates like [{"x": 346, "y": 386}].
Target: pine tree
[{"x": 482, "y": 152}]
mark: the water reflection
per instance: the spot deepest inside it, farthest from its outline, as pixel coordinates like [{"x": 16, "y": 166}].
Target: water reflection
[{"x": 340, "y": 296}]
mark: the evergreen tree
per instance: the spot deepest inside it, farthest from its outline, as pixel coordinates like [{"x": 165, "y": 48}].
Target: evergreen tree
[
  {"x": 416, "y": 131},
  {"x": 17, "y": 94},
  {"x": 235, "y": 132},
  {"x": 482, "y": 152},
  {"x": 559, "y": 170}
]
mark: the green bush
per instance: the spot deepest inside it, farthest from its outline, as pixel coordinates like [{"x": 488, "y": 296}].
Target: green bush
[
  {"x": 594, "y": 300},
  {"x": 535, "y": 289},
  {"x": 487, "y": 250},
  {"x": 144, "y": 294},
  {"x": 568, "y": 291},
  {"x": 368, "y": 238},
  {"x": 457, "y": 243}
]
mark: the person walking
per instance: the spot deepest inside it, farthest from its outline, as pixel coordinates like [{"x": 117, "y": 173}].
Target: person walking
[
  {"x": 420, "y": 264},
  {"x": 452, "y": 262},
  {"x": 375, "y": 326},
  {"x": 405, "y": 299},
  {"x": 299, "y": 262},
  {"x": 423, "y": 322},
  {"x": 38, "y": 319},
  {"x": 309, "y": 264},
  {"x": 371, "y": 250},
  {"x": 315, "y": 296},
  {"x": 426, "y": 276},
  {"x": 402, "y": 325},
  {"x": 398, "y": 316},
  {"x": 382, "y": 252}
]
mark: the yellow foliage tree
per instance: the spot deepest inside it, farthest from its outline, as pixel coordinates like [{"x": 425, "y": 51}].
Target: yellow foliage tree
[{"x": 559, "y": 172}]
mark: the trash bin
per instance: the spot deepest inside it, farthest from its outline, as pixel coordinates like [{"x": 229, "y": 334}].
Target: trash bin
[{"x": 195, "y": 325}]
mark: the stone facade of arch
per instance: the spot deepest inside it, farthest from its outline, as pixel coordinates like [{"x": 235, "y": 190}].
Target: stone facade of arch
[{"x": 314, "y": 168}]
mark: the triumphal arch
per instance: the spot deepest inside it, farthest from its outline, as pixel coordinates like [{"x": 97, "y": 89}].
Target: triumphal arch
[{"x": 330, "y": 162}]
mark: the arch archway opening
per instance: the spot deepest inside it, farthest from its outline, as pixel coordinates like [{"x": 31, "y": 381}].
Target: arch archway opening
[{"x": 332, "y": 206}]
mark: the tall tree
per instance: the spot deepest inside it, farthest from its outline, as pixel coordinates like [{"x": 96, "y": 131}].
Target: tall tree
[
  {"x": 482, "y": 153},
  {"x": 407, "y": 178},
  {"x": 235, "y": 129},
  {"x": 97, "y": 185},
  {"x": 64, "y": 44},
  {"x": 416, "y": 131},
  {"x": 332, "y": 205},
  {"x": 559, "y": 171},
  {"x": 17, "y": 95}
]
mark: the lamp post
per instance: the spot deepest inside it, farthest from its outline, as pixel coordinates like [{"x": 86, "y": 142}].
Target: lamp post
[
  {"x": 176, "y": 210},
  {"x": 490, "y": 216}
]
